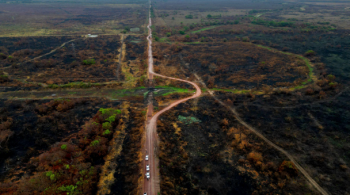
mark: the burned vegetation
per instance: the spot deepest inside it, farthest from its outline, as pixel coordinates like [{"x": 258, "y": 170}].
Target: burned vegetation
[
  {"x": 235, "y": 65},
  {"x": 79, "y": 59},
  {"x": 207, "y": 150},
  {"x": 66, "y": 145}
]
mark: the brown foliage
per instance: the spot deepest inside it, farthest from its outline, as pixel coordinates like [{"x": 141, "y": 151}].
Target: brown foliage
[
  {"x": 224, "y": 122},
  {"x": 309, "y": 91},
  {"x": 69, "y": 162},
  {"x": 288, "y": 167},
  {"x": 254, "y": 156},
  {"x": 5, "y": 132},
  {"x": 5, "y": 135}
]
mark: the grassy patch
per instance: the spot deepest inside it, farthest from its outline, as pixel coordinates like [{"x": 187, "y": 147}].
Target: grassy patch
[
  {"x": 188, "y": 120},
  {"x": 73, "y": 85},
  {"x": 164, "y": 39},
  {"x": 203, "y": 29},
  {"x": 174, "y": 90}
]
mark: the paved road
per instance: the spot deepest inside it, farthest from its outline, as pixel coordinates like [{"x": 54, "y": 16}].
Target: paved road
[{"x": 151, "y": 186}]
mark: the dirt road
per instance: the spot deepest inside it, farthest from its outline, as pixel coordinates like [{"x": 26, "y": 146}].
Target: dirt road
[
  {"x": 151, "y": 186},
  {"x": 257, "y": 133}
]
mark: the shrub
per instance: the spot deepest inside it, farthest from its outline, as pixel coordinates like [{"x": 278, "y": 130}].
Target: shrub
[
  {"x": 109, "y": 111},
  {"x": 333, "y": 84},
  {"x": 156, "y": 38},
  {"x": 224, "y": 122},
  {"x": 330, "y": 77},
  {"x": 89, "y": 62},
  {"x": 111, "y": 119},
  {"x": 288, "y": 167},
  {"x": 245, "y": 39},
  {"x": 236, "y": 22},
  {"x": 106, "y": 125},
  {"x": 310, "y": 53},
  {"x": 64, "y": 147},
  {"x": 69, "y": 189},
  {"x": 51, "y": 175},
  {"x": 95, "y": 142},
  {"x": 254, "y": 156},
  {"x": 189, "y": 16},
  {"x": 107, "y": 132},
  {"x": 182, "y": 32},
  {"x": 168, "y": 34}
]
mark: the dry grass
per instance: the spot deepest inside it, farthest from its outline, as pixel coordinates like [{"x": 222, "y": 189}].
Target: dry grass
[
  {"x": 198, "y": 17},
  {"x": 67, "y": 19}
]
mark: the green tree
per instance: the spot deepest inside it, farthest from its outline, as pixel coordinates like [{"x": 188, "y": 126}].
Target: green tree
[
  {"x": 189, "y": 16},
  {"x": 156, "y": 38}
]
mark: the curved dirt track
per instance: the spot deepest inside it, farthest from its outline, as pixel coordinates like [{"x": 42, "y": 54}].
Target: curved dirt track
[
  {"x": 257, "y": 133},
  {"x": 151, "y": 186},
  {"x": 52, "y": 51}
]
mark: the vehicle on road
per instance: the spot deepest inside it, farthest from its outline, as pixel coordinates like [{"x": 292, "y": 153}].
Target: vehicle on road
[
  {"x": 146, "y": 157},
  {"x": 145, "y": 193},
  {"x": 147, "y": 175},
  {"x": 147, "y": 167}
]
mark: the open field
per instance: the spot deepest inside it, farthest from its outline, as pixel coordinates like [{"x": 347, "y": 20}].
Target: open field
[{"x": 38, "y": 19}]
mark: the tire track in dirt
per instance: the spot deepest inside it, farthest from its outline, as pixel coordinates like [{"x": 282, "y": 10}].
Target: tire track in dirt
[
  {"x": 120, "y": 58},
  {"x": 300, "y": 105},
  {"x": 52, "y": 51},
  {"x": 257, "y": 133}
]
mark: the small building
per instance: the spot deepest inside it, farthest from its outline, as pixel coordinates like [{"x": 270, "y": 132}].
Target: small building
[{"x": 92, "y": 36}]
